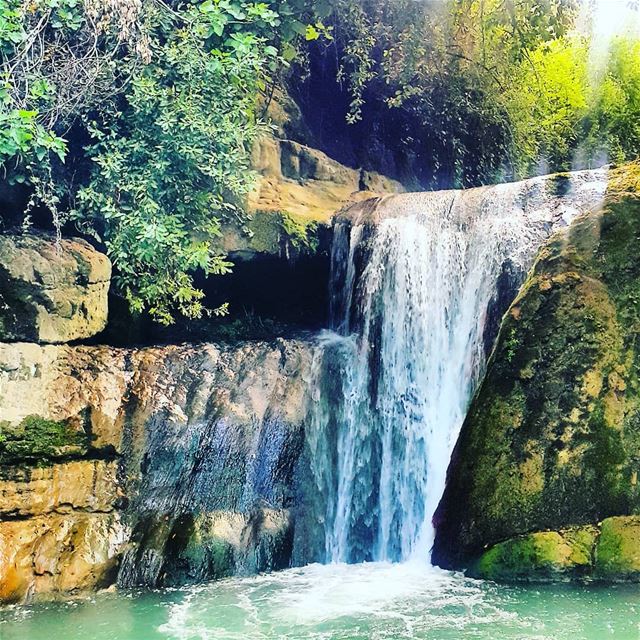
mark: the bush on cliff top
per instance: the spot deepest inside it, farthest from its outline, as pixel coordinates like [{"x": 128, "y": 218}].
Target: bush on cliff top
[{"x": 153, "y": 106}]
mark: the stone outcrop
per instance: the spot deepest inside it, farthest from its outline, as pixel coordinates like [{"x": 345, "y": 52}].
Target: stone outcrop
[
  {"x": 180, "y": 466},
  {"x": 607, "y": 551},
  {"x": 51, "y": 291},
  {"x": 298, "y": 189},
  {"x": 307, "y": 183},
  {"x": 552, "y": 439}
]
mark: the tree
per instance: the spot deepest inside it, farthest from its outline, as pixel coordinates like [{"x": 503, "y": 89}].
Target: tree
[{"x": 161, "y": 102}]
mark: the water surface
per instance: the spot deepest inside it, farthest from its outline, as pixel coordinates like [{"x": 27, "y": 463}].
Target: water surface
[{"x": 376, "y": 601}]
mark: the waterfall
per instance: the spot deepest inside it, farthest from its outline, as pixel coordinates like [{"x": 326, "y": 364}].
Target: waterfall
[{"x": 419, "y": 284}]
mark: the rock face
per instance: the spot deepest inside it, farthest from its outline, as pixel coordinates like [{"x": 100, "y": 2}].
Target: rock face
[
  {"x": 552, "y": 439},
  {"x": 51, "y": 292},
  {"x": 162, "y": 465},
  {"x": 307, "y": 183},
  {"x": 59, "y": 528}
]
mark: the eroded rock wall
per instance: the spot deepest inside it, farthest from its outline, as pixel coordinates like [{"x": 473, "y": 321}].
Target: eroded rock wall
[{"x": 165, "y": 464}]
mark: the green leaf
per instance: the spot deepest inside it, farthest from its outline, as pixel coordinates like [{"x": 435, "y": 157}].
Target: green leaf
[{"x": 311, "y": 33}]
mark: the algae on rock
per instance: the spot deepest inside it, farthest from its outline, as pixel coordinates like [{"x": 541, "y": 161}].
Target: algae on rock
[
  {"x": 618, "y": 550},
  {"x": 37, "y": 440},
  {"x": 540, "y": 556}
]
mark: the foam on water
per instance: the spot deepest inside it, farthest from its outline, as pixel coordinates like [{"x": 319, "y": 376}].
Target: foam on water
[
  {"x": 319, "y": 601},
  {"x": 374, "y": 601},
  {"x": 392, "y": 601}
]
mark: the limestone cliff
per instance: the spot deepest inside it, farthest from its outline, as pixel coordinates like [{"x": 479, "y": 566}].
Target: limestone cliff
[
  {"x": 145, "y": 466},
  {"x": 552, "y": 440}
]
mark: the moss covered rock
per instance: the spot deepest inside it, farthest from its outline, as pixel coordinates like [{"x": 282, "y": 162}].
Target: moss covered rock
[
  {"x": 552, "y": 439},
  {"x": 540, "y": 557},
  {"x": 608, "y": 551},
  {"x": 618, "y": 551},
  {"x": 37, "y": 440}
]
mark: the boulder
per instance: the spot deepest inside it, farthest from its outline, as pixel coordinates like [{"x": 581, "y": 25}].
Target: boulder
[
  {"x": 552, "y": 438},
  {"x": 542, "y": 556},
  {"x": 617, "y": 555},
  {"x": 608, "y": 551},
  {"x": 51, "y": 292},
  {"x": 297, "y": 189}
]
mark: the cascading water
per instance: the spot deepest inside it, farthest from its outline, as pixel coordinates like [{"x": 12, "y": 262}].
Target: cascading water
[{"x": 418, "y": 280}]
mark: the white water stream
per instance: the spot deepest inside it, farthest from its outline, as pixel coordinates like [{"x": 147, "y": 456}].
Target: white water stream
[{"x": 414, "y": 282}]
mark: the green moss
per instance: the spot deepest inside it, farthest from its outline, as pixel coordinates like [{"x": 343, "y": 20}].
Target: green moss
[
  {"x": 540, "y": 556},
  {"x": 37, "y": 440},
  {"x": 618, "y": 549},
  {"x": 508, "y": 560},
  {"x": 202, "y": 555},
  {"x": 511, "y": 344},
  {"x": 273, "y": 231},
  {"x": 559, "y": 184},
  {"x": 264, "y": 232},
  {"x": 300, "y": 233},
  {"x": 625, "y": 179}
]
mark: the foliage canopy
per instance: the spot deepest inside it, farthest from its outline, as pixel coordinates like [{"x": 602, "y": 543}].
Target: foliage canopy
[
  {"x": 133, "y": 119},
  {"x": 494, "y": 89}
]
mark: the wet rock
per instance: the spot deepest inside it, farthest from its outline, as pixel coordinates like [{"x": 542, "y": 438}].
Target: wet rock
[
  {"x": 552, "y": 439},
  {"x": 51, "y": 292},
  {"x": 186, "y": 473}
]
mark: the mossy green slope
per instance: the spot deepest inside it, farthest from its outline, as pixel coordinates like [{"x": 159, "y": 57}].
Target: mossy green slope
[{"x": 552, "y": 439}]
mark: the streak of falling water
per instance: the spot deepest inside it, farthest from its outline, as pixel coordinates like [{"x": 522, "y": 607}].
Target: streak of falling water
[{"x": 412, "y": 289}]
